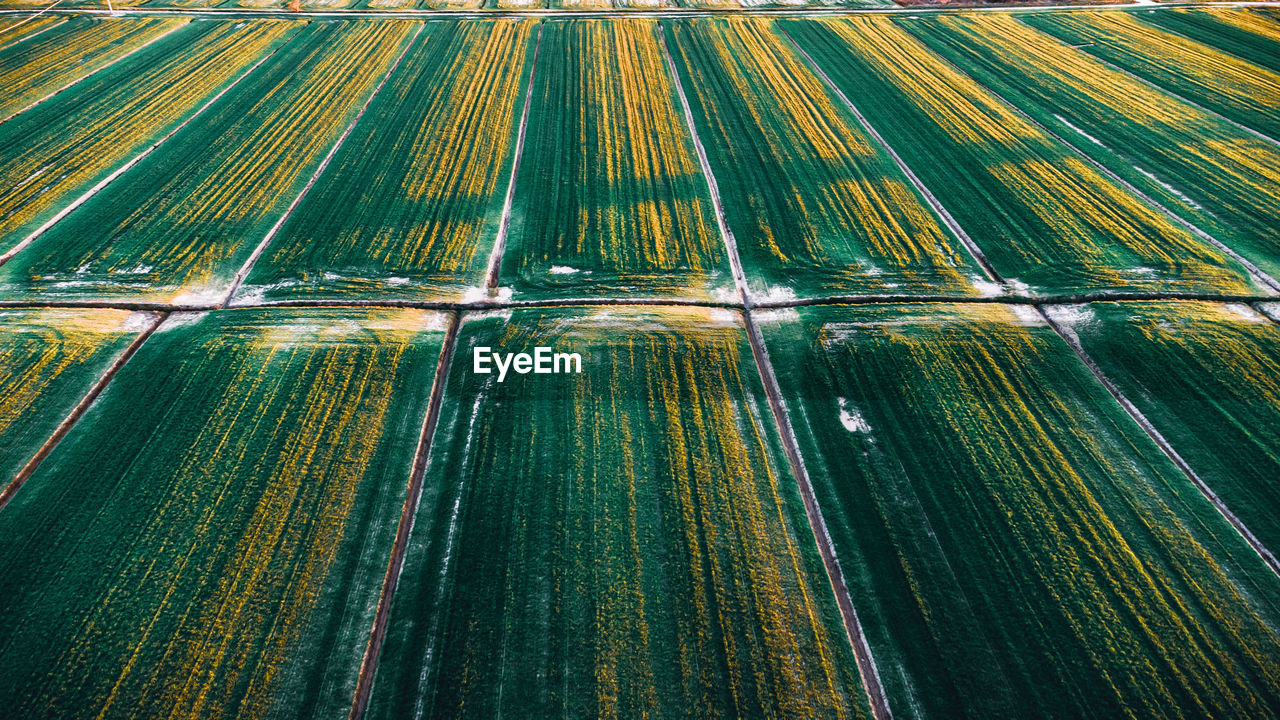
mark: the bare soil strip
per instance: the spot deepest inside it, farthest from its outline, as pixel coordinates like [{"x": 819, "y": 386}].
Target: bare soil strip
[
  {"x": 500, "y": 242},
  {"x": 79, "y": 410},
  {"x": 817, "y": 525},
  {"x": 369, "y": 664},
  {"x": 324, "y": 164}
]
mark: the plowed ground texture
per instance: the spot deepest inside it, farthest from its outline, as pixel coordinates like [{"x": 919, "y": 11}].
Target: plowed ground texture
[
  {"x": 1015, "y": 545},
  {"x": 210, "y": 540}
]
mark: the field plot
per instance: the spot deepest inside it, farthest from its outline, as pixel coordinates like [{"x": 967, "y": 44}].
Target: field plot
[
  {"x": 1245, "y": 34},
  {"x": 1208, "y": 377},
  {"x": 410, "y": 206},
  {"x": 46, "y": 63},
  {"x": 191, "y": 213},
  {"x": 815, "y": 208},
  {"x": 48, "y": 361},
  {"x": 624, "y": 541},
  {"x": 610, "y": 198},
  {"x": 1210, "y": 78},
  {"x": 1207, "y": 170},
  {"x": 16, "y": 29},
  {"x": 1045, "y": 219},
  {"x": 1015, "y": 545},
  {"x": 62, "y": 147},
  {"x": 210, "y": 540}
]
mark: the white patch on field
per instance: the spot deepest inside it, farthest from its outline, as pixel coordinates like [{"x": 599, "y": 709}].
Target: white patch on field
[
  {"x": 1018, "y": 287},
  {"x": 397, "y": 281},
  {"x": 1080, "y": 132},
  {"x": 500, "y": 314},
  {"x": 179, "y": 319},
  {"x": 254, "y": 294},
  {"x": 777, "y": 294},
  {"x": 871, "y": 270},
  {"x": 83, "y": 269},
  {"x": 720, "y": 316},
  {"x": 1271, "y": 310},
  {"x": 138, "y": 321},
  {"x": 776, "y": 315},
  {"x": 202, "y": 296},
  {"x": 851, "y": 419},
  {"x": 1071, "y": 315},
  {"x": 481, "y": 294},
  {"x": 987, "y": 288},
  {"x": 726, "y": 294},
  {"x": 1143, "y": 271},
  {"x": 1244, "y": 312},
  {"x": 135, "y": 270},
  {"x": 1171, "y": 189},
  {"x": 1027, "y": 315},
  {"x": 563, "y": 270}
]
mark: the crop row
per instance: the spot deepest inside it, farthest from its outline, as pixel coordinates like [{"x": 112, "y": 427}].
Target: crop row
[{"x": 1073, "y": 188}]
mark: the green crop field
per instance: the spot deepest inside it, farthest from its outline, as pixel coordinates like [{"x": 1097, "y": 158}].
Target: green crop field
[
  {"x": 880, "y": 360},
  {"x": 1045, "y": 219},
  {"x": 1014, "y": 544},
  {"x": 411, "y": 204},
  {"x": 815, "y": 206},
  {"x": 210, "y": 541},
  {"x": 48, "y": 361},
  {"x": 1208, "y": 377},
  {"x": 620, "y": 541}
]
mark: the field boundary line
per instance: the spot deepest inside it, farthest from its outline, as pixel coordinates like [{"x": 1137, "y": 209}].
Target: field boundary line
[
  {"x": 934, "y": 203},
  {"x": 417, "y": 472},
  {"x": 713, "y": 187},
  {"x": 30, "y": 238},
  {"x": 1163, "y": 90},
  {"x": 37, "y": 33},
  {"x": 550, "y": 13},
  {"x": 78, "y": 411},
  {"x": 1260, "y": 276},
  {"x": 243, "y": 272},
  {"x": 95, "y": 71},
  {"x": 1069, "y": 336},
  {"x": 863, "y": 658},
  {"x": 504, "y": 223}
]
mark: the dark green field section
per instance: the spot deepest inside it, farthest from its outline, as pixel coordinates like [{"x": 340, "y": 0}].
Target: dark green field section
[
  {"x": 1046, "y": 220},
  {"x": 49, "y": 359},
  {"x": 1223, "y": 83},
  {"x": 46, "y": 63},
  {"x": 1227, "y": 29},
  {"x": 815, "y": 207},
  {"x": 191, "y": 213},
  {"x": 1205, "y": 169},
  {"x": 610, "y": 199},
  {"x": 624, "y": 542},
  {"x": 15, "y": 29},
  {"x": 61, "y": 148},
  {"x": 1207, "y": 376},
  {"x": 410, "y": 205},
  {"x": 1015, "y": 546},
  {"x": 210, "y": 539}
]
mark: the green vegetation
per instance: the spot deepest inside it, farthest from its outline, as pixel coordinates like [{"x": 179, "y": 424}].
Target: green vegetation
[
  {"x": 209, "y": 541},
  {"x": 409, "y": 207},
  {"x": 49, "y": 359},
  {"x": 815, "y": 206},
  {"x": 1208, "y": 377},
  {"x": 623, "y": 542},
  {"x": 1242, "y": 33},
  {"x": 191, "y": 213},
  {"x": 610, "y": 198},
  {"x": 1015, "y": 545},
  {"x": 1043, "y": 217}
]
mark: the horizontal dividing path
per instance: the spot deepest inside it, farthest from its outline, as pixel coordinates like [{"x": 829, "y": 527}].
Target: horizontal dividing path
[{"x": 649, "y": 13}]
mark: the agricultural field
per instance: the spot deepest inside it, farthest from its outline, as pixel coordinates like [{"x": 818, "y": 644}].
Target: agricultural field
[
  {"x": 1048, "y": 222},
  {"x": 411, "y": 204},
  {"x": 1240, "y": 32},
  {"x": 195, "y": 209},
  {"x": 48, "y": 361},
  {"x": 609, "y": 198},
  {"x": 49, "y": 61},
  {"x": 1234, "y": 88},
  {"x": 1014, "y": 544},
  {"x": 1207, "y": 375},
  {"x": 1205, "y": 169},
  {"x": 815, "y": 207},
  {"x": 211, "y": 539},
  {"x": 93, "y": 129},
  {"x": 612, "y": 542},
  {"x": 16, "y": 29}
]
